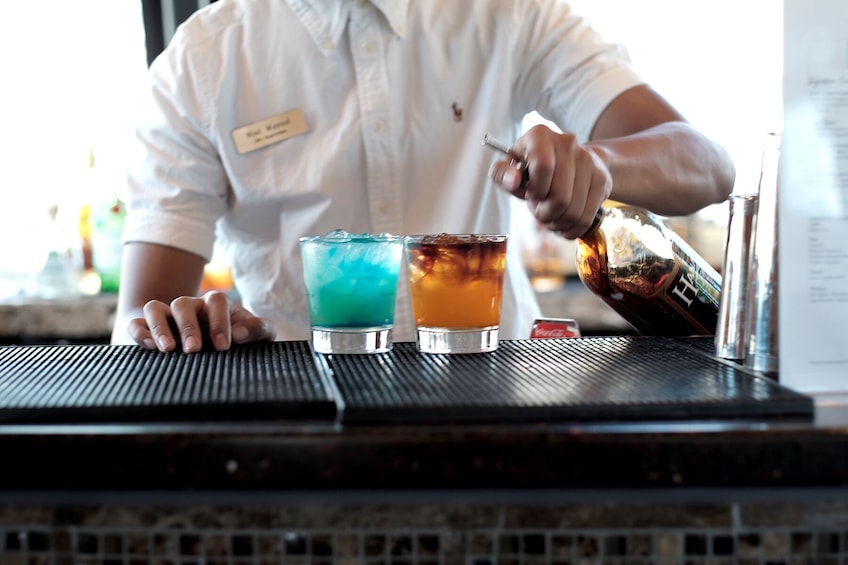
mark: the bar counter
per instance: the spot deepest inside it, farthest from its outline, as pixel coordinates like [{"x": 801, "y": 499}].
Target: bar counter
[
  {"x": 268, "y": 457},
  {"x": 409, "y": 481}
]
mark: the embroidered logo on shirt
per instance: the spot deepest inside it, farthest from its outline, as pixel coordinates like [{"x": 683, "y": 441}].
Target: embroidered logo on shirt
[
  {"x": 457, "y": 112},
  {"x": 268, "y": 131}
]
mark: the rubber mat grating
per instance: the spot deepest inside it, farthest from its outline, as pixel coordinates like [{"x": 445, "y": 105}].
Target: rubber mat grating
[
  {"x": 603, "y": 378},
  {"x": 703, "y": 344},
  {"x": 104, "y": 383}
]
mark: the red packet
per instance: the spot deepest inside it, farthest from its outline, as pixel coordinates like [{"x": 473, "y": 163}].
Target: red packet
[{"x": 554, "y": 328}]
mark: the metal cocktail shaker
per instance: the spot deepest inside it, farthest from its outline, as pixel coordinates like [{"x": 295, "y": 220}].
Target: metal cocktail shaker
[{"x": 762, "y": 353}]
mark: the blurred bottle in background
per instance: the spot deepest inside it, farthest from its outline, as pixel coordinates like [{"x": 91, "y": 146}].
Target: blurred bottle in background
[
  {"x": 100, "y": 227},
  {"x": 107, "y": 226},
  {"x": 59, "y": 276}
]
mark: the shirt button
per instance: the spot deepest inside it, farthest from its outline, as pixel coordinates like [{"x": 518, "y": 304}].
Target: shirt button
[
  {"x": 361, "y": 3},
  {"x": 328, "y": 45},
  {"x": 378, "y": 127},
  {"x": 385, "y": 206},
  {"x": 369, "y": 46}
]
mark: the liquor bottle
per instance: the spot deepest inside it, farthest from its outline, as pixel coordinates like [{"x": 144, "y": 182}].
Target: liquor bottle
[
  {"x": 102, "y": 225},
  {"x": 59, "y": 276},
  {"x": 648, "y": 274},
  {"x": 106, "y": 230}
]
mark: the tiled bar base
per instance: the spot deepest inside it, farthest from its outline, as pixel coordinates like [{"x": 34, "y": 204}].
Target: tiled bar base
[{"x": 439, "y": 534}]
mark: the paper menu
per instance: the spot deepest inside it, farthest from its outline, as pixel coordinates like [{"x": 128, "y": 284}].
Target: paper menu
[{"x": 813, "y": 198}]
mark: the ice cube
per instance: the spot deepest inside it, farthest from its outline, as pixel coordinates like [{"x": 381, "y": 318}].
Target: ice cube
[{"x": 337, "y": 234}]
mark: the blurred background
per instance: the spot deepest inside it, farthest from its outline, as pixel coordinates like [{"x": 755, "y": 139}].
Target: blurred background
[{"x": 73, "y": 72}]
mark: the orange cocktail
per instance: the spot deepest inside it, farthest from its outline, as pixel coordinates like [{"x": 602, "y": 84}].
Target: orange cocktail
[{"x": 456, "y": 285}]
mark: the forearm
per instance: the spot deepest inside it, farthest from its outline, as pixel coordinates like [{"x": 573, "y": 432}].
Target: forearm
[
  {"x": 153, "y": 272},
  {"x": 670, "y": 169}
]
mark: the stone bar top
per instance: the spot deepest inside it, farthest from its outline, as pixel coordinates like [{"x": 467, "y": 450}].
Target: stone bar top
[{"x": 69, "y": 320}]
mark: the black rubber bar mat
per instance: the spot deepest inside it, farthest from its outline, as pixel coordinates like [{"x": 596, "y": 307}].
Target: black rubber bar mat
[
  {"x": 703, "y": 344},
  {"x": 603, "y": 378},
  {"x": 103, "y": 383}
]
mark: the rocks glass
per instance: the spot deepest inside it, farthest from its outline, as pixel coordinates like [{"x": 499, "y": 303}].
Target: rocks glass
[
  {"x": 456, "y": 286},
  {"x": 351, "y": 286}
]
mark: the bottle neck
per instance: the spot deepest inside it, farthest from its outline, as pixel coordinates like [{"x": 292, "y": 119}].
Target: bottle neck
[{"x": 596, "y": 223}]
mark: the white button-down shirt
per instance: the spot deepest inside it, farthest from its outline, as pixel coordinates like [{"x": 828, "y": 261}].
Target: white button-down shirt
[{"x": 396, "y": 96}]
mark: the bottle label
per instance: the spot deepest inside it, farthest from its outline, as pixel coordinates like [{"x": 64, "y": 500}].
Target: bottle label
[
  {"x": 648, "y": 274},
  {"x": 683, "y": 291}
]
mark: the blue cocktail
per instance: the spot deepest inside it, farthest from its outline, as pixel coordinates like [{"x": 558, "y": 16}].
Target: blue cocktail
[{"x": 351, "y": 286}]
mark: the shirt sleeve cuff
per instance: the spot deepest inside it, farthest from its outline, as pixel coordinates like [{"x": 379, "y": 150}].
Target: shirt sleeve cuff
[{"x": 167, "y": 229}]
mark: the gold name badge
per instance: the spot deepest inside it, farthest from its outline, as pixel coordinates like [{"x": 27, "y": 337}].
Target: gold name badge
[{"x": 268, "y": 131}]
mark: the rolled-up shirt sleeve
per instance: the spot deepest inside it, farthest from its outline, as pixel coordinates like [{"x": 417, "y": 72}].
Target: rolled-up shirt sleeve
[
  {"x": 176, "y": 185},
  {"x": 568, "y": 72}
]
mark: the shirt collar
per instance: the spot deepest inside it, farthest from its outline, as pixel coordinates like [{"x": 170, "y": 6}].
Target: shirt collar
[
  {"x": 325, "y": 20},
  {"x": 395, "y": 12}
]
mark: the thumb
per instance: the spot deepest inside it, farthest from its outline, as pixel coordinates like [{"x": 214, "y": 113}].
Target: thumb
[
  {"x": 248, "y": 327},
  {"x": 509, "y": 177}
]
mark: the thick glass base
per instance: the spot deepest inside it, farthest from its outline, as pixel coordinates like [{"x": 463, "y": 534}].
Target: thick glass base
[
  {"x": 352, "y": 340},
  {"x": 457, "y": 340}
]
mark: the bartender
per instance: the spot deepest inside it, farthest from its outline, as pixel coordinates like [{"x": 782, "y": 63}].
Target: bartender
[{"x": 269, "y": 120}]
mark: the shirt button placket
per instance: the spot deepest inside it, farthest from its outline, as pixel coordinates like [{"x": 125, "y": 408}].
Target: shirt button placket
[{"x": 369, "y": 60}]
